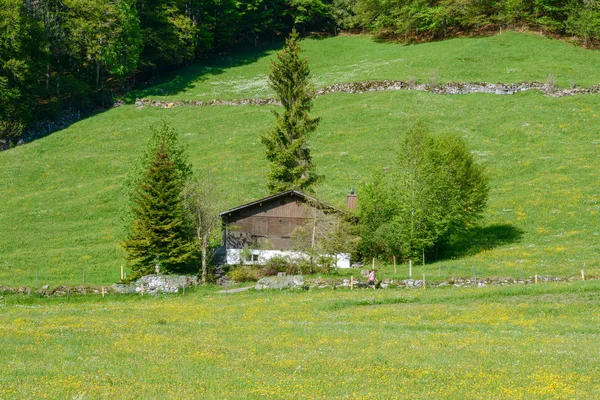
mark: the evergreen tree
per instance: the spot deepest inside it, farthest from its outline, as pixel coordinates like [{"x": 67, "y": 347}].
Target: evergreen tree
[
  {"x": 159, "y": 232},
  {"x": 287, "y": 143}
]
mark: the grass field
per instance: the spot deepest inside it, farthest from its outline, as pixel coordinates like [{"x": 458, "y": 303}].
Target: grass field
[
  {"x": 534, "y": 342},
  {"x": 63, "y": 196},
  {"x": 508, "y": 58}
]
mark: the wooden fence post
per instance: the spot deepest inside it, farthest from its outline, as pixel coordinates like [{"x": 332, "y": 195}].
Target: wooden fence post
[
  {"x": 102, "y": 291},
  {"x": 394, "y": 264},
  {"x": 410, "y": 268},
  {"x": 351, "y": 282}
]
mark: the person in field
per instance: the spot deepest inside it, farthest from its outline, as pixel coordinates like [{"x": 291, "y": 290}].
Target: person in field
[{"x": 372, "y": 278}]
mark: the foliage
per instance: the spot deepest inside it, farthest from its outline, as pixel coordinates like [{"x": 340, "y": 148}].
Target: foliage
[
  {"x": 245, "y": 273},
  {"x": 21, "y": 59},
  {"x": 325, "y": 235},
  {"x": 433, "y": 189},
  {"x": 80, "y": 53},
  {"x": 159, "y": 230},
  {"x": 103, "y": 34},
  {"x": 287, "y": 144},
  {"x": 275, "y": 265},
  {"x": 202, "y": 204},
  {"x": 309, "y": 13},
  {"x": 584, "y": 20},
  {"x": 442, "y": 18}
]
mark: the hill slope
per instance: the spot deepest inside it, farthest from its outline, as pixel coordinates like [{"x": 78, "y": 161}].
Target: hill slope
[
  {"x": 63, "y": 196},
  {"x": 508, "y": 58}
]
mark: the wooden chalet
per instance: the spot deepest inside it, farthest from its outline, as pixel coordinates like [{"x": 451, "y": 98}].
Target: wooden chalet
[{"x": 272, "y": 220}]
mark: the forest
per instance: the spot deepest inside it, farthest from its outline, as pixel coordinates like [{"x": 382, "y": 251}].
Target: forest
[{"x": 77, "y": 55}]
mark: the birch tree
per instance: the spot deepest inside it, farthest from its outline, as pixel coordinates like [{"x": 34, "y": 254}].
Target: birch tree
[
  {"x": 434, "y": 188},
  {"x": 202, "y": 204}
]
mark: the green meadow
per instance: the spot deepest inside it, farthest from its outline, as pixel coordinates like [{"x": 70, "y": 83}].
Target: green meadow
[
  {"x": 509, "y": 58},
  {"x": 521, "y": 342},
  {"x": 64, "y": 196}
]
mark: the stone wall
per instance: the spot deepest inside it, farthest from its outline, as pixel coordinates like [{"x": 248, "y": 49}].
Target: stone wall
[{"x": 451, "y": 88}]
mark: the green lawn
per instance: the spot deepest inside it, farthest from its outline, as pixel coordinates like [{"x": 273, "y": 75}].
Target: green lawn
[
  {"x": 534, "y": 342},
  {"x": 508, "y": 58},
  {"x": 63, "y": 196}
]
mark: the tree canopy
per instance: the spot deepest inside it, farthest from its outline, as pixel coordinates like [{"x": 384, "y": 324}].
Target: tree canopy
[
  {"x": 434, "y": 188},
  {"x": 78, "y": 53}
]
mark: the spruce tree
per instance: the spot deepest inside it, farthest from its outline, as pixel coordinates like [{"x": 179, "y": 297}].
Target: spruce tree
[
  {"x": 287, "y": 143},
  {"x": 159, "y": 232}
]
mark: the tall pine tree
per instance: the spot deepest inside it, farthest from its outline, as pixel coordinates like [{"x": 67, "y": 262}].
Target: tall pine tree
[
  {"x": 159, "y": 232},
  {"x": 287, "y": 143}
]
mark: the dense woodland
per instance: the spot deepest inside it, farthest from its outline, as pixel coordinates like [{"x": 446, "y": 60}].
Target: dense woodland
[{"x": 78, "y": 54}]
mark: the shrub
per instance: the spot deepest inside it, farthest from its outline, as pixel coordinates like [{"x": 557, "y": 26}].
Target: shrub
[{"x": 275, "y": 265}]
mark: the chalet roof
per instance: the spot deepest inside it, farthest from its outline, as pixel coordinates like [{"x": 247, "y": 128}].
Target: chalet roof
[{"x": 276, "y": 196}]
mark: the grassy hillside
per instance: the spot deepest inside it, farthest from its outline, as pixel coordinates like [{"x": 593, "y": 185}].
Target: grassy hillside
[
  {"x": 532, "y": 342},
  {"x": 63, "y": 196},
  {"x": 508, "y": 58}
]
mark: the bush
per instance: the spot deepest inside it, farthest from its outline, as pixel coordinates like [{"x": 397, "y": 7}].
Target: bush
[
  {"x": 245, "y": 273},
  {"x": 275, "y": 265}
]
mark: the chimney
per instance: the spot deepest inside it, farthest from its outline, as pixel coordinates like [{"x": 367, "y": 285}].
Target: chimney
[{"x": 351, "y": 200}]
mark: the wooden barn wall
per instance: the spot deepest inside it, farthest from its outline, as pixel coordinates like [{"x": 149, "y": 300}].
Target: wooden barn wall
[{"x": 274, "y": 221}]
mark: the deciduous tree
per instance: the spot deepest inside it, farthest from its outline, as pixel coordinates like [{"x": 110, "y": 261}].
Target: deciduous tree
[
  {"x": 202, "y": 205},
  {"x": 433, "y": 189}
]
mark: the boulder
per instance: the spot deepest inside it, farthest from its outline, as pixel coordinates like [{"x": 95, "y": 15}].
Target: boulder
[
  {"x": 280, "y": 282},
  {"x": 158, "y": 283}
]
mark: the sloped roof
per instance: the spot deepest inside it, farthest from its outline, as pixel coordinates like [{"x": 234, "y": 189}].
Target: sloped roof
[{"x": 276, "y": 196}]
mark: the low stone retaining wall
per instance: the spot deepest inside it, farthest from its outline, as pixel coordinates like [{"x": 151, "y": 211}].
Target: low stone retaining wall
[
  {"x": 154, "y": 284},
  {"x": 151, "y": 284},
  {"x": 453, "y": 282},
  {"x": 280, "y": 282},
  {"x": 452, "y": 88}
]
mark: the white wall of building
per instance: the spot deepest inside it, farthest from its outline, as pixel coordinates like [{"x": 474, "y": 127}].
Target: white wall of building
[{"x": 234, "y": 256}]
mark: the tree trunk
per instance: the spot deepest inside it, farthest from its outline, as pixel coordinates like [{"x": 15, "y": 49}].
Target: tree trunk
[
  {"x": 97, "y": 75},
  {"x": 204, "y": 251},
  {"x": 312, "y": 244}
]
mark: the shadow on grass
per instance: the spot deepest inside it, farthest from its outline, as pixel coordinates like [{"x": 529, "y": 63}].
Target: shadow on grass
[
  {"x": 183, "y": 79},
  {"x": 171, "y": 83},
  {"x": 479, "y": 239}
]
